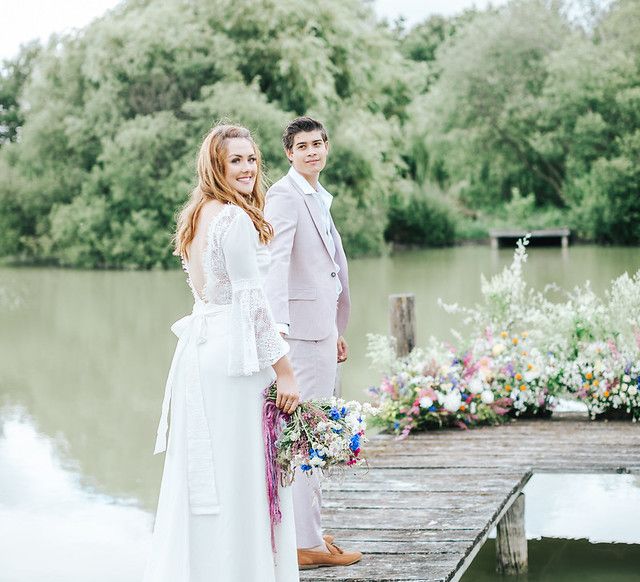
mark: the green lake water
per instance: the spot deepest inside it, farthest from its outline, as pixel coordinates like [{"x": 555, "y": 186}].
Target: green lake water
[{"x": 83, "y": 361}]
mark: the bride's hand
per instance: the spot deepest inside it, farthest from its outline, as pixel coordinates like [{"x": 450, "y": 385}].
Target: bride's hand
[{"x": 287, "y": 395}]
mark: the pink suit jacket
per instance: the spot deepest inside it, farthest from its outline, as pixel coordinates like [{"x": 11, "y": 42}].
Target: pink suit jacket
[{"x": 300, "y": 285}]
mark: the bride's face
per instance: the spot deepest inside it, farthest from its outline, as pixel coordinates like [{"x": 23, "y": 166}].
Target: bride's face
[{"x": 240, "y": 165}]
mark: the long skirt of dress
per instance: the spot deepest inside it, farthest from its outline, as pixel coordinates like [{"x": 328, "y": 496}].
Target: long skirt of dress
[{"x": 235, "y": 544}]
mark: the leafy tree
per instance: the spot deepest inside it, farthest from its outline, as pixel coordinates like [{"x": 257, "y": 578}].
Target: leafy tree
[{"x": 13, "y": 76}]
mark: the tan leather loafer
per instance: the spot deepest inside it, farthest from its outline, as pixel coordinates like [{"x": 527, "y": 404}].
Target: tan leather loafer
[{"x": 308, "y": 559}]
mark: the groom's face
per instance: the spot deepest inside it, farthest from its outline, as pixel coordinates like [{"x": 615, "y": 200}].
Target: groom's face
[{"x": 309, "y": 153}]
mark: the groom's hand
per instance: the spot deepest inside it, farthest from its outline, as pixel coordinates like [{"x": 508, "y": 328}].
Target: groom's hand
[{"x": 343, "y": 348}]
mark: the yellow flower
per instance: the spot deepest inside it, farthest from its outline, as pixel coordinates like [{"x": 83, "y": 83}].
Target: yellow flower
[
  {"x": 523, "y": 388},
  {"x": 504, "y": 334},
  {"x": 596, "y": 383},
  {"x": 606, "y": 394},
  {"x": 529, "y": 366},
  {"x": 518, "y": 376},
  {"x": 507, "y": 388},
  {"x": 525, "y": 334},
  {"x": 515, "y": 341},
  {"x": 588, "y": 375}
]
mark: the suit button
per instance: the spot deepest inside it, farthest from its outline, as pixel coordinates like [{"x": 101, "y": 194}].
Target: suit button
[{"x": 333, "y": 274}]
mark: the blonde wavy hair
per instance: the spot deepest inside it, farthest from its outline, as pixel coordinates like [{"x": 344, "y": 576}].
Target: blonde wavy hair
[{"x": 213, "y": 185}]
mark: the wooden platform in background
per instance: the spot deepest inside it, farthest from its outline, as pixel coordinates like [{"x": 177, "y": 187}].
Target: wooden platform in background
[
  {"x": 428, "y": 503},
  {"x": 508, "y": 237}
]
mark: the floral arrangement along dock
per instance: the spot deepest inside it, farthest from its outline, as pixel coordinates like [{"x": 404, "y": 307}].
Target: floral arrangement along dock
[{"x": 523, "y": 353}]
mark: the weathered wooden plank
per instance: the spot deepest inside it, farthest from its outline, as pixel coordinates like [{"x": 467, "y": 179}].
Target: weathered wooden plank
[
  {"x": 388, "y": 568},
  {"x": 401, "y": 535},
  {"x": 443, "y": 500}
]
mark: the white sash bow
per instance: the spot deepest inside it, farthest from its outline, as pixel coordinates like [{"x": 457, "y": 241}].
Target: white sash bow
[{"x": 184, "y": 374}]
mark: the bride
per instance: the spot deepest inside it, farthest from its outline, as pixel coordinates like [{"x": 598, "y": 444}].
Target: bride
[{"x": 212, "y": 522}]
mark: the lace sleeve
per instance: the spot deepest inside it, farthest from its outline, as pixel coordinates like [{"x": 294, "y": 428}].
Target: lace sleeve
[{"x": 255, "y": 343}]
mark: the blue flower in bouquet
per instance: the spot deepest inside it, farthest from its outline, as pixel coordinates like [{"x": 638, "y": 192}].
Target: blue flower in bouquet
[
  {"x": 343, "y": 411},
  {"x": 432, "y": 408},
  {"x": 306, "y": 468},
  {"x": 334, "y": 413},
  {"x": 337, "y": 430},
  {"x": 354, "y": 444},
  {"x": 313, "y": 453}
]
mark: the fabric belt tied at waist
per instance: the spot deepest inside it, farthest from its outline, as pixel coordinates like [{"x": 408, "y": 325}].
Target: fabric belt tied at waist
[{"x": 184, "y": 374}]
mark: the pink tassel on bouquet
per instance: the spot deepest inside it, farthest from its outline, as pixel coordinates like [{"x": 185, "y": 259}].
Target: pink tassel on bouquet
[{"x": 271, "y": 417}]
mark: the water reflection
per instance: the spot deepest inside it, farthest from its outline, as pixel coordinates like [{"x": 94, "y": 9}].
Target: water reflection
[
  {"x": 600, "y": 508},
  {"x": 46, "y": 512}
]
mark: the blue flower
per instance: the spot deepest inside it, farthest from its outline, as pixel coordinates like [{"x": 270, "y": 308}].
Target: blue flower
[
  {"x": 432, "y": 408},
  {"x": 337, "y": 430},
  {"x": 305, "y": 468},
  {"x": 396, "y": 424},
  {"x": 343, "y": 411},
  {"x": 334, "y": 414},
  {"x": 354, "y": 444},
  {"x": 315, "y": 453}
]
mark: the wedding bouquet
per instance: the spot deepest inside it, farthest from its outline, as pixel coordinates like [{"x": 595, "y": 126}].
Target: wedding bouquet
[{"x": 319, "y": 435}]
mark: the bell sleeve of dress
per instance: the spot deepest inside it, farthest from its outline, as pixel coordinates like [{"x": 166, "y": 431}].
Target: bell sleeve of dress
[{"x": 255, "y": 343}]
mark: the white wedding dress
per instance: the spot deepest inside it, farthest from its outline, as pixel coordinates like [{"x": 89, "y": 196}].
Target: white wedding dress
[{"x": 212, "y": 523}]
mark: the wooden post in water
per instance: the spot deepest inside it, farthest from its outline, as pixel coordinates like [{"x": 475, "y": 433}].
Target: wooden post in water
[
  {"x": 511, "y": 541},
  {"x": 402, "y": 322}
]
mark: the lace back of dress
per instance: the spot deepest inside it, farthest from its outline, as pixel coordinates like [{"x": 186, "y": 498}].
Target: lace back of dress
[{"x": 206, "y": 270}]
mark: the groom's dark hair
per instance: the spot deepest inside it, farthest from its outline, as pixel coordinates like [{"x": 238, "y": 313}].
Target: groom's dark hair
[{"x": 299, "y": 125}]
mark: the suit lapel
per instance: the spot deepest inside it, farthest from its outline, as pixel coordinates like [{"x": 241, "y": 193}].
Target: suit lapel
[{"x": 314, "y": 211}]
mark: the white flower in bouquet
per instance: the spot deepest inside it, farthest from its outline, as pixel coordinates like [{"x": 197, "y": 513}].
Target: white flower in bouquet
[
  {"x": 426, "y": 402},
  {"x": 487, "y": 397},
  {"x": 633, "y": 390},
  {"x": 476, "y": 386},
  {"x": 498, "y": 349},
  {"x": 452, "y": 401}
]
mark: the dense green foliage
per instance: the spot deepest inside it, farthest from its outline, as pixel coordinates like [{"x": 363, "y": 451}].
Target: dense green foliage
[{"x": 520, "y": 114}]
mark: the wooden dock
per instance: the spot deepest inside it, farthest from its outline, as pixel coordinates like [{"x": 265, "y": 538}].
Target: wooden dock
[
  {"x": 428, "y": 503},
  {"x": 510, "y": 236}
]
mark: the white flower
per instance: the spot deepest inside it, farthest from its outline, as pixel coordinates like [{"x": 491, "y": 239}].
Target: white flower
[
  {"x": 473, "y": 408},
  {"x": 633, "y": 390},
  {"x": 475, "y": 386},
  {"x": 624, "y": 387},
  {"x": 452, "y": 401},
  {"x": 487, "y": 397},
  {"x": 626, "y": 378},
  {"x": 498, "y": 349},
  {"x": 426, "y": 402},
  {"x": 530, "y": 375}
]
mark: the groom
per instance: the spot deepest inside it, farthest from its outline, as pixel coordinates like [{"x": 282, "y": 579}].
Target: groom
[{"x": 308, "y": 289}]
